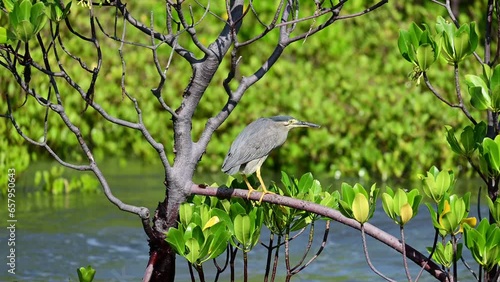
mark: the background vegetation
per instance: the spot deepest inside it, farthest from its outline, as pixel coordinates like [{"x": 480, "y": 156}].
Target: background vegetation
[{"x": 380, "y": 124}]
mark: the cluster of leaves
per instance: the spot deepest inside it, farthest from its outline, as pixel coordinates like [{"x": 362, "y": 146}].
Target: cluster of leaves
[
  {"x": 208, "y": 225},
  {"x": 86, "y": 274},
  {"x": 450, "y": 217},
  {"x": 478, "y": 143}
]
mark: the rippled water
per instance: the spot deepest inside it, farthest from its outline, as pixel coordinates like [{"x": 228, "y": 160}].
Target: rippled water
[{"x": 57, "y": 234}]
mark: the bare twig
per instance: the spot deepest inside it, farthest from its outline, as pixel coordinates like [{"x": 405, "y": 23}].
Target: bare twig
[
  {"x": 291, "y": 271},
  {"x": 269, "y": 256},
  {"x": 320, "y": 250},
  {"x": 217, "y": 266},
  {"x": 434, "y": 244},
  {"x": 365, "y": 250}
]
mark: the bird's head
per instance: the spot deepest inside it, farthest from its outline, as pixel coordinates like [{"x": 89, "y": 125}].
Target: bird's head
[{"x": 290, "y": 122}]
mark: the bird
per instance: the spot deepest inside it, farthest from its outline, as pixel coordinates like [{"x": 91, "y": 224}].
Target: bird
[{"x": 254, "y": 144}]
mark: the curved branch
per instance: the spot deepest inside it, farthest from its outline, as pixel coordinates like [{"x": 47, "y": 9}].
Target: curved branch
[{"x": 430, "y": 266}]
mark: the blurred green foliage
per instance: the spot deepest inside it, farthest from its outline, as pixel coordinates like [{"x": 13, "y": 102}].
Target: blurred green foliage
[{"x": 349, "y": 78}]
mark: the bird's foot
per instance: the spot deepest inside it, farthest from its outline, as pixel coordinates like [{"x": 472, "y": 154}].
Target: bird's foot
[
  {"x": 250, "y": 191},
  {"x": 264, "y": 192}
]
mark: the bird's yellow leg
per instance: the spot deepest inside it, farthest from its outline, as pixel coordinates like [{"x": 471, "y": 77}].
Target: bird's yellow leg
[
  {"x": 264, "y": 189},
  {"x": 250, "y": 188}
]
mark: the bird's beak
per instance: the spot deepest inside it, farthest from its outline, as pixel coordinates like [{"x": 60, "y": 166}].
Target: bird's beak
[{"x": 306, "y": 124}]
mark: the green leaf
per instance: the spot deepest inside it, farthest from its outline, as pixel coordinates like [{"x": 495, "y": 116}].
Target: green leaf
[
  {"x": 219, "y": 243},
  {"x": 494, "y": 208},
  {"x": 331, "y": 201},
  {"x": 360, "y": 208},
  {"x": 480, "y": 99},
  {"x": 442, "y": 182},
  {"x": 24, "y": 31},
  {"x": 487, "y": 73},
  {"x": 425, "y": 56},
  {"x": 86, "y": 274},
  {"x": 24, "y": 12},
  {"x": 193, "y": 253},
  {"x": 9, "y": 5},
  {"x": 347, "y": 193},
  {"x": 468, "y": 140},
  {"x": 415, "y": 33},
  {"x": 176, "y": 239},
  {"x": 387, "y": 204},
  {"x": 237, "y": 208},
  {"x": 480, "y": 130},
  {"x": 224, "y": 217},
  {"x": 405, "y": 46},
  {"x": 495, "y": 77},
  {"x": 474, "y": 80},
  {"x": 462, "y": 43},
  {"x": 38, "y": 20},
  {"x": 473, "y": 37},
  {"x": 306, "y": 182},
  {"x": 185, "y": 213},
  {"x": 495, "y": 98},
  {"x": 37, "y": 11},
  {"x": 242, "y": 230},
  {"x": 492, "y": 148},
  {"x": 452, "y": 140},
  {"x": 400, "y": 200},
  {"x": 3, "y": 35}
]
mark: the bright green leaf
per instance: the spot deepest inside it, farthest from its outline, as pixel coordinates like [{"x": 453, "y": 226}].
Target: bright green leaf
[
  {"x": 360, "y": 208},
  {"x": 480, "y": 99},
  {"x": 3, "y": 35}
]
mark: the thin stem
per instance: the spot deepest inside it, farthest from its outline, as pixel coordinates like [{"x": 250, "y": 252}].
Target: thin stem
[
  {"x": 201, "y": 274},
  {"x": 276, "y": 257},
  {"x": 245, "y": 266},
  {"x": 191, "y": 273},
  {"x": 287, "y": 256},
  {"x": 454, "y": 244},
  {"x": 217, "y": 266},
  {"x": 323, "y": 244},
  {"x": 459, "y": 95},
  {"x": 434, "y": 244},
  {"x": 269, "y": 256},
  {"x": 405, "y": 263},
  {"x": 365, "y": 250},
  {"x": 232, "y": 251},
  {"x": 308, "y": 248},
  {"x": 469, "y": 268}
]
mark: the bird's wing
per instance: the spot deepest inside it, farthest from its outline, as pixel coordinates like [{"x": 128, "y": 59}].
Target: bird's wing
[{"x": 250, "y": 145}]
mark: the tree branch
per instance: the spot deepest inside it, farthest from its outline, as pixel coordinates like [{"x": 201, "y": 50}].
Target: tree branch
[{"x": 431, "y": 267}]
